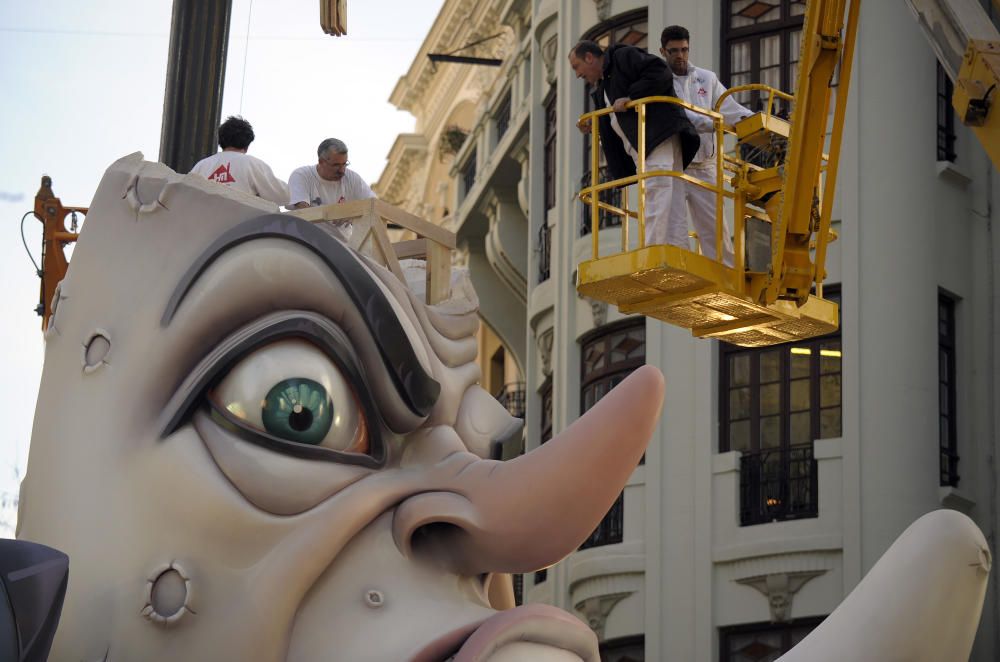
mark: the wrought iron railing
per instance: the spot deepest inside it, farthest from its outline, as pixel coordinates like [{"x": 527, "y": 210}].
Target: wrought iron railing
[
  {"x": 511, "y": 396},
  {"x": 503, "y": 117},
  {"x": 778, "y": 484},
  {"x": 544, "y": 252},
  {"x": 469, "y": 173},
  {"x": 611, "y": 529},
  {"x": 611, "y": 196}
]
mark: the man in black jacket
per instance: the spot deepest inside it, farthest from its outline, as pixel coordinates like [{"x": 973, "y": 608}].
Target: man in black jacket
[{"x": 618, "y": 76}]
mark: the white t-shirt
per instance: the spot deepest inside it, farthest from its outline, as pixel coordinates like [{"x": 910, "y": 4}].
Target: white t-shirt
[
  {"x": 244, "y": 173},
  {"x": 305, "y": 185}
]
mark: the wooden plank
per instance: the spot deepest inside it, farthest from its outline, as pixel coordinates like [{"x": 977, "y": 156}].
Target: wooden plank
[
  {"x": 410, "y": 248},
  {"x": 438, "y": 272},
  {"x": 341, "y": 22},
  {"x": 415, "y": 223},
  {"x": 336, "y": 212},
  {"x": 381, "y": 239}
]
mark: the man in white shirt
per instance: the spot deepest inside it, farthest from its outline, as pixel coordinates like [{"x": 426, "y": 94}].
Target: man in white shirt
[
  {"x": 700, "y": 87},
  {"x": 235, "y": 168},
  {"x": 328, "y": 182}
]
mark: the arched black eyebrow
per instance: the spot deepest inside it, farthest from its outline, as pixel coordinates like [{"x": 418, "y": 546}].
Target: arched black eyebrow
[{"x": 418, "y": 389}]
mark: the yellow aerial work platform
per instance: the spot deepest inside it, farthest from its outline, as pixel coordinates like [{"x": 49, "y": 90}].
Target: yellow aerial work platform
[{"x": 781, "y": 210}]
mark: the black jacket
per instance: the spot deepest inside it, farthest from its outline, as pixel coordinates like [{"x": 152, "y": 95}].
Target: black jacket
[{"x": 632, "y": 72}]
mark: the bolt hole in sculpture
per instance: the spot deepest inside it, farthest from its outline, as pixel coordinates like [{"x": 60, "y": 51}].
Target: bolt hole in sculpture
[{"x": 283, "y": 456}]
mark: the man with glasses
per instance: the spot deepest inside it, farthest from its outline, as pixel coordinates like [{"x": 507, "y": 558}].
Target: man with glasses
[
  {"x": 700, "y": 87},
  {"x": 328, "y": 182}
]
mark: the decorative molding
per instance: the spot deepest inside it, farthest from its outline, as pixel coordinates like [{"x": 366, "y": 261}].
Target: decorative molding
[
  {"x": 603, "y": 9},
  {"x": 599, "y": 311},
  {"x": 544, "y": 342},
  {"x": 779, "y": 589},
  {"x": 596, "y": 611},
  {"x": 549, "y": 58},
  {"x": 809, "y": 561}
]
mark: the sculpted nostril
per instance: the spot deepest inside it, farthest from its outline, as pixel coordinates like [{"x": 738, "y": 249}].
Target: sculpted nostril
[{"x": 435, "y": 542}]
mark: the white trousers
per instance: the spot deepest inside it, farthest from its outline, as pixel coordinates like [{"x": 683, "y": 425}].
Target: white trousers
[
  {"x": 668, "y": 200},
  {"x": 701, "y": 203},
  {"x": 665, "y": 219}
]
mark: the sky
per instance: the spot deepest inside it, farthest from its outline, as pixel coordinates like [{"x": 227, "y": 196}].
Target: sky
[{"x": 82, "y": 85}]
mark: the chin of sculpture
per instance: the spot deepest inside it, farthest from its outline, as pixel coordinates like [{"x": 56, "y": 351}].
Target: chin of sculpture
[{"x": 264, "y": 446}]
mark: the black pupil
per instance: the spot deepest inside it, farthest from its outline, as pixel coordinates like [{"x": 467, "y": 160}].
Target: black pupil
[{"x": 300, "y": 419}]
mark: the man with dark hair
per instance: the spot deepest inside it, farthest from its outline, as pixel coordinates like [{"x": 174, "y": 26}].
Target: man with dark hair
[
  {"x": 700, "y": 87},
  {"x": 616, "y": 77},
  {"x": 237, "y": 169}
]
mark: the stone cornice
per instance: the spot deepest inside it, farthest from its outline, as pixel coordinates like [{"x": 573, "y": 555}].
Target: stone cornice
[
  {"x": 408, "y": 148},
  {"x": 455, "y": 18}
]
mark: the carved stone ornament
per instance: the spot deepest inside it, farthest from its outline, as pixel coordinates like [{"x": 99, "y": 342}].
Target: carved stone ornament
[
  {"x": 549, "y": 58},
  {"x": 545, "y": 351},
  {"x": 599, "y": 310},
  {"x": 595, "y": 611},
  {"x": 603, "y": 9},
  {"x": 779, "y": 589}
]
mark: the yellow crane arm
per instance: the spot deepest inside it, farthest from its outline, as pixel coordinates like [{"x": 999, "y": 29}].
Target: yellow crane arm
[{"x": 967, "y": 45}]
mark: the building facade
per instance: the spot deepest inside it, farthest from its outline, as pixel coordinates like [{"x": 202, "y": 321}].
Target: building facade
[{"x": 777, "y": 476}]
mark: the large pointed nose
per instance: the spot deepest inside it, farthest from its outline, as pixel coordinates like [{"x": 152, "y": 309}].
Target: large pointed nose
[{"x": 527, "y": 513}]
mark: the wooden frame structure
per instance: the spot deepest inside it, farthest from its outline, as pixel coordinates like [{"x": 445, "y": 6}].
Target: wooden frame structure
[{"x": 370, "y": 220}]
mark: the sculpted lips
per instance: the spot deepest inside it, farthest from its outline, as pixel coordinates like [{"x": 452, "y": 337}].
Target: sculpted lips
[{"x": 544, "y": 632}]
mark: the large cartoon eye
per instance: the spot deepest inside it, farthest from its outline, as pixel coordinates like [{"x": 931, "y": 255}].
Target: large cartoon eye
[{"x": 294, "y": 392}]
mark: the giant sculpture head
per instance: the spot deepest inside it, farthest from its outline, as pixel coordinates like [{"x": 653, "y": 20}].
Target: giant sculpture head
[{"x": 255, "y": 444}]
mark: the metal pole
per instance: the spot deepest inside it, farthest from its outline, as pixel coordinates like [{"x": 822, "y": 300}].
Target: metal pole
[{"x": 196, "y": 72}]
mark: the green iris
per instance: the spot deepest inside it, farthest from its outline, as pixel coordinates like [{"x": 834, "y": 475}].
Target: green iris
[{"x": 298, "y": 409}]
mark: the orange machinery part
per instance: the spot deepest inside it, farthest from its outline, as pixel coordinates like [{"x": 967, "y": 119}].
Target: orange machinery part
[{"x": 51, "y": 212}]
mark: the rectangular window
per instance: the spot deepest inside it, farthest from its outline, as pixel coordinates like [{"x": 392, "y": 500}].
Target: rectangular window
[
  {"x": 762, "y": 642},
  {"x": 945, "y": 117},
  {"x": 549, "y": 155},
  {"x": 947, "y": 391},
  {"x": 544, "y": 249},
  {"x": 773, "y": 403},
  {"x": 545, "y": 423},
  {"x": 761, "y": 41}
]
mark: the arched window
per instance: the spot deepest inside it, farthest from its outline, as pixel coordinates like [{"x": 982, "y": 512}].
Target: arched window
[
  {"x": 608, "y": 355},
  {"x": 632, "y": 29}
]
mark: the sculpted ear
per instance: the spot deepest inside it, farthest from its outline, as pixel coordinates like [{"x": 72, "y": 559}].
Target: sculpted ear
[{"x": 483, "y": 424}]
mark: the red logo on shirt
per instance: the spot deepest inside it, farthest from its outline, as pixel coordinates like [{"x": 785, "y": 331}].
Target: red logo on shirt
[
  {"x": 702, "y": 91},
  {"x": 222, "y": 175}
]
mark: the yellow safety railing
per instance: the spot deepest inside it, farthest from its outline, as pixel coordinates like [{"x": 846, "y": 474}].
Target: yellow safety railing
[
  {"x": 591, "y": 194},
  {"x": 726, "y": 164}
]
